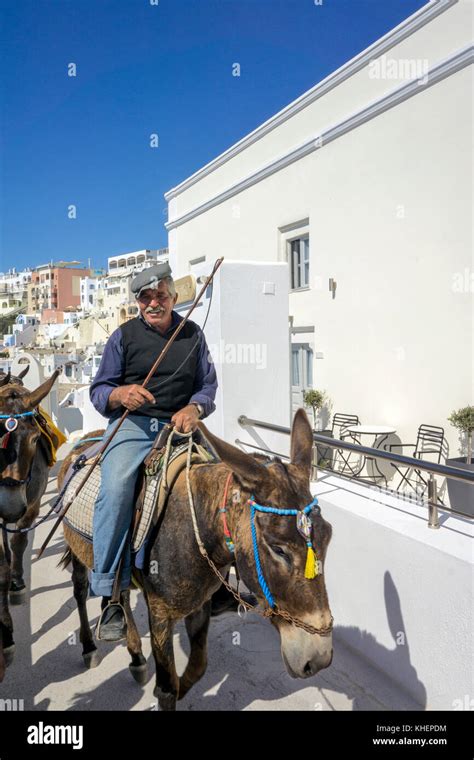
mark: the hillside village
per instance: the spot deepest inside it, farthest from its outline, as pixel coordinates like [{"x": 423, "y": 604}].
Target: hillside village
[{"x": 60, "y": 314}]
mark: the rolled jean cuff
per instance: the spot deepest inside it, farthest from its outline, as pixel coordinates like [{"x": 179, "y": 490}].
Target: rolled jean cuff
[{"x": 102, "y": 584}]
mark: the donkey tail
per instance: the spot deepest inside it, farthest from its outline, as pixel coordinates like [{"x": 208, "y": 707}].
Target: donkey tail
[{"x": 65, "y": 559}]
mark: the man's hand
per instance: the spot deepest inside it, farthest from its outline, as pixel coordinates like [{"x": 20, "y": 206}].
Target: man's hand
[
  {"x": 130, "y": 396},
  {"x": 186, "y": 419}
]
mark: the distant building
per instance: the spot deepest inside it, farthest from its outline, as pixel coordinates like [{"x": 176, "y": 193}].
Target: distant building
[
  {"x": 89, "y": 292},
  {"x": 55, "y": 286},
  {"x": 58, "y": 317},
  {"x": 115, "y": 298},
  {"x": 14, "y": 290}
]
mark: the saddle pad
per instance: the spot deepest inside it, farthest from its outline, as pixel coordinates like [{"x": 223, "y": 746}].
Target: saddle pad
[
  {"x": 51, "y": 435},
  {"x": 80, "y": 515}
]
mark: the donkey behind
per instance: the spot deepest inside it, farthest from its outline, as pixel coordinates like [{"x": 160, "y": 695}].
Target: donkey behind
[{"x": 22, "y": 484}]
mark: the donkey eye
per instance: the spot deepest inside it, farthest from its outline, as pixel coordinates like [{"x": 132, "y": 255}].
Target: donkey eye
[{"x": 279, "y": 551}]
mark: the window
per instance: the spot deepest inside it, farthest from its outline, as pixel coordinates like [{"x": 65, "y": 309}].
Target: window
[
  {"x": 299, "y": 262},
  {"x": 309, "y": 367},
  {"x": 301, "y": 373},
  {"x": 295, "y": 366}
]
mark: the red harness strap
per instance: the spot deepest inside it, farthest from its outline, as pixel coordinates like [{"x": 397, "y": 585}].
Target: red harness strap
[{"x": 223, "y": 510}]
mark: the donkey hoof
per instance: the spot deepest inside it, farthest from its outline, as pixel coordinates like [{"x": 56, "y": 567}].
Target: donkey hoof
[
  {"x": 91, "y": 659},
  {"x": 17, "y": 593},
  {"x": 140, "y": 673},
  {"x": 8, "y": 654}
]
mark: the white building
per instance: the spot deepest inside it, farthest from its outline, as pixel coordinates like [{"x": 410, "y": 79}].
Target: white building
[
  {"x": 364, "y": 185},
  {"x": 115, "y": 298},
  {"x": 14, "y": 290},
  {"x": 89, "y": 292},
  {"x": 136, "y": 259}
]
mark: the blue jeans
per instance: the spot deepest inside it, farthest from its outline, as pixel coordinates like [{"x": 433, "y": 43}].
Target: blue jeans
[{"x": 115, "y": 504}]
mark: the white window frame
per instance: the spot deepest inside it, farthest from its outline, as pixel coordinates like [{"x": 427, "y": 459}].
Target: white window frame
[
  {"x": 298, "y": 278},
  {"x": 288, "y": 233}
]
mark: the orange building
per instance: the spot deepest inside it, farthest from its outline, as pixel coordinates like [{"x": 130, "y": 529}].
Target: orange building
[{"x": 55, "y": 286}]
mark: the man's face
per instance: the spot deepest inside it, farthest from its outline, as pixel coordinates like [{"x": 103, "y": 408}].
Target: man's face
[{"x": 156, "y": 306}]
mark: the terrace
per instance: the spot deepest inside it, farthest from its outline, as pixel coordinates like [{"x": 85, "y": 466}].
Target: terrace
[{"x": 398, "y": 571}]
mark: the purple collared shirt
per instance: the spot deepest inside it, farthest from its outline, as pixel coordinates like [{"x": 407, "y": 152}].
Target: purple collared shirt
[{"x": 111, "y": 372}]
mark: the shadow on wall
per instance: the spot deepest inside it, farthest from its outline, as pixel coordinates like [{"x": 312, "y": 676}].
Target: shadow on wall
[
  {"x": 69, "y": 419},
  {"x": 393, "y": 662}
]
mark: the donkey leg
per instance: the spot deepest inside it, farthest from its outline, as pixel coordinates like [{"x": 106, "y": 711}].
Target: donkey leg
[
  {"x": 161, "y": 634},
  {"x": 7, "y": 645},
  {"x": 18, "y": 544},
  {"x": 80, "y": 580},
  {"x": 137, "y": 666},
  {"x": 197, "y": 626}
]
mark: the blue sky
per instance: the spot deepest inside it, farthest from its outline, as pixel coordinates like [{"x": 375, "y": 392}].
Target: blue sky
[{"x": 143, "y": 69}]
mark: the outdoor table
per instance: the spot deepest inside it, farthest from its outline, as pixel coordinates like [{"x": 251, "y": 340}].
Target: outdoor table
[{"x": 380, "y": 434}]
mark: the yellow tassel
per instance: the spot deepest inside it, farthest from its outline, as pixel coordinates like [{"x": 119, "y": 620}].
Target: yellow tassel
[{"x": 311, "y": 569}]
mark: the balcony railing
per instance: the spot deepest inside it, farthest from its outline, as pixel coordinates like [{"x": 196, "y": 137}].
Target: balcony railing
[{"x": 432, "y": 468}]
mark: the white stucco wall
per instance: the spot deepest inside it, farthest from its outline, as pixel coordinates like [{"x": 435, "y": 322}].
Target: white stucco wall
[
  {"x": 389, "y": 208},
  {"x": 243, "y": 333},
  {"x": 401, "y": 593}
]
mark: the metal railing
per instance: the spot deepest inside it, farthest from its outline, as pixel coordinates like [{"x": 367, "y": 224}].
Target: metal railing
[{"x": 432, "y": 468}]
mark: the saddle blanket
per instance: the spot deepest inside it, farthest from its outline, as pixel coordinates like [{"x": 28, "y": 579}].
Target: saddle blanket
[
  {"x": 154, "y": 495},
  {"x": 51, "y": 436}
]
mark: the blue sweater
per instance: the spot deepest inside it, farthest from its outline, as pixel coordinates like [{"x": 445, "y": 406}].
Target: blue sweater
[{"x": 111, "y": 371}]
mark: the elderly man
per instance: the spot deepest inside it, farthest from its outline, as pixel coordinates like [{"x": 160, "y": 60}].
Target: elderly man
[{"x": 182, "y": 391}]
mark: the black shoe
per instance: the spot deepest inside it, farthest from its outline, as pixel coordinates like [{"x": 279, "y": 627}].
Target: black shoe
[
  {"x": 225, "y": 602},
  {"x": 112, "y": 625},
  {"x": 104, "y": 602}
]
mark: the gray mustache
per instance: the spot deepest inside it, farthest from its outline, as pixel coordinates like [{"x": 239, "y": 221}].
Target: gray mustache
[{"x": 149, "y": 310}]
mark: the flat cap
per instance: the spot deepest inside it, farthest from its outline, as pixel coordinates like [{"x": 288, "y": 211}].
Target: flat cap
[{"x": 150, "y": 277}]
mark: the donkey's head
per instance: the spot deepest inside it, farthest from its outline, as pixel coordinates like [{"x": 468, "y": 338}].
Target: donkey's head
[
  {"x": 281, "y": 544},
  {"x": 18, "y": 443},
  {"x": 7, "y": 377}
]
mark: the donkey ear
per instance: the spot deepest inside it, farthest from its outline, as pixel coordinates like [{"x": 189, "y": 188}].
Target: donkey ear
[
  {"x": 244, "y": 466},
  {"x": 302, "y": 442},
  {"x": 36, "y": 396},
  {"x": 24, "y": 372}
]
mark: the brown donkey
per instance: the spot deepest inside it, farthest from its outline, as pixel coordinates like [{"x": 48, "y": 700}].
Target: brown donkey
[
  {"x": 180, "y": 581},
  {"x": 22, "y": 484}
]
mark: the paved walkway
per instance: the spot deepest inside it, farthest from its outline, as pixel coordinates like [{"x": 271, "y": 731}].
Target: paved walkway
[{"x": 245, "y": 669}]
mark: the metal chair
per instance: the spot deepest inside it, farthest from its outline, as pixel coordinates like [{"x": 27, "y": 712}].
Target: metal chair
[
  {"x": 340, "y": 423},
  {"x": 430, "y": 440}
]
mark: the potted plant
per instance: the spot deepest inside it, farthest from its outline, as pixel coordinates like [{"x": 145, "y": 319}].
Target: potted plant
[
  {"x": 315, "y": 400},
  {"x": 461, "y": 495}
]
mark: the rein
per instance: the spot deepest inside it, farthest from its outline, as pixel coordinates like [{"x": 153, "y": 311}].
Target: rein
[
  {"x": 11, "y": 425},
  {"x": 272, "y": 609},
  {"x": 7, "y": 484}
]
